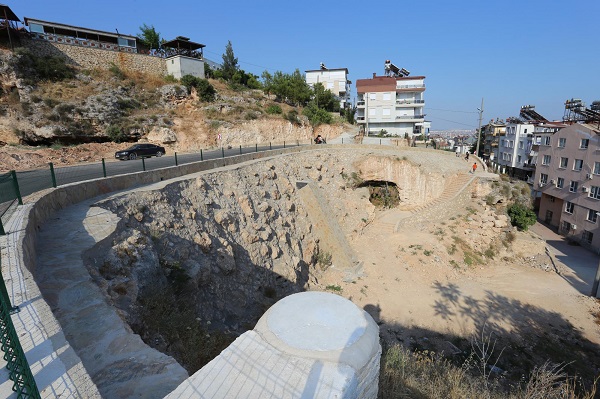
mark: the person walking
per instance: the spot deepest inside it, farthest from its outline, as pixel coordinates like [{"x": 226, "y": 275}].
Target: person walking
[
  {"x": 467, "y": 156},
  {"x": 474, "y": 167}
]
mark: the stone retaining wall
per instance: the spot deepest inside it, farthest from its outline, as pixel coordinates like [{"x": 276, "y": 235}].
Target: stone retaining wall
[{"x": 88, "y": 58}]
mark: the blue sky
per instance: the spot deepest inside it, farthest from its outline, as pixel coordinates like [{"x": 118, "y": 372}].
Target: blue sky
[{"x": 511, "y": 53}]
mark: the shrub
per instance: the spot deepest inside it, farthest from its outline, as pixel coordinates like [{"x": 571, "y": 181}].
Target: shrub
[
  {"x": 52, "y": 68},
  {"x": 116, "y": 71},
  {"x": 274, "y": 109},
  {"x": 317, "y": 116},
  {"x": 170, "y": 79},
  {"x": 205, "y": 90},
  {"x": 521, "y": 217},
  {"x": 292, "y": 117},
  {"x": 115, "y": 133}
]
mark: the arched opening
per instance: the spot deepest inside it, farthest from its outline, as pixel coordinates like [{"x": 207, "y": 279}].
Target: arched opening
[{"x": 382, "y": 194}]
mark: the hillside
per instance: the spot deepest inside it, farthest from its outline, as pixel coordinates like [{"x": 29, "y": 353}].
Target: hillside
[{"x": 64, "y": 115}]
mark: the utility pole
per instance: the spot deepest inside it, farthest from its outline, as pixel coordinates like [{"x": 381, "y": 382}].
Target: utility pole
[{"x": 479, "y": 129}]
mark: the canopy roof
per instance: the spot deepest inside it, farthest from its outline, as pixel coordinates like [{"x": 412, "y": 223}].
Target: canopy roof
[
  {"x": 184, "y": 43},
  {"x": 7, "y": 13}
]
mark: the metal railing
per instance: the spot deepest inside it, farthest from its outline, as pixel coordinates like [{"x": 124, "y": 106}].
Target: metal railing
[{"x": 16, "y": 362}]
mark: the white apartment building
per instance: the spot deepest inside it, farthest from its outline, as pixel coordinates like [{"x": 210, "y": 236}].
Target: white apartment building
[
  {"x": 334, "y": 80},
  {"x": 391, "y": 104},
  {"x": 514, "y": 150}
]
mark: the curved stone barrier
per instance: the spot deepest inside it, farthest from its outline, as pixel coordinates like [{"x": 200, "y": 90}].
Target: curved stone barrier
[{"x": 307, "y": 345}]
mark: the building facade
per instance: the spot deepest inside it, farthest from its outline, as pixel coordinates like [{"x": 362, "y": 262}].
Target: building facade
[
  {"x": 491, "y": 133},
  {"x": 392, "y": 105},
  {"x": 334, "y": 80},
  {"x": 514, "y": 149},
  {"x": 567, "y": 179}
]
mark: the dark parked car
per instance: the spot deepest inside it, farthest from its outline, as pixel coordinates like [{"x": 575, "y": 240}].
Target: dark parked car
[{"x": 140, "y": 150}]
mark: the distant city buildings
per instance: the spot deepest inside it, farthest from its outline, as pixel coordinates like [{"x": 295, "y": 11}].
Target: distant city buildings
[
  {"x": 393, "y": 104},
  {"x": 334, "y": 80}
]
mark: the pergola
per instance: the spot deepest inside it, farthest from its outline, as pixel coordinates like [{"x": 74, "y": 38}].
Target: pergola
[
  {"x": 7, "y": 15},
  {"x": 183, "y": 46}
]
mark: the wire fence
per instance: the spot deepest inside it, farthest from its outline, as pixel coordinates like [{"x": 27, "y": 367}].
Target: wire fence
[{"x": 18, "y": 368}]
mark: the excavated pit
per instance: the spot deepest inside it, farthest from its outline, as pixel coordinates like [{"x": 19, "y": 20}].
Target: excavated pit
[
  {"x": 382, "y": 194},
  {"x": 193, "y": 265}
]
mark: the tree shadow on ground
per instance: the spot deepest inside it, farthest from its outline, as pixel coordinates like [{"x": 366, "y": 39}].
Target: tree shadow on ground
[{"x": 525, "y": 336}]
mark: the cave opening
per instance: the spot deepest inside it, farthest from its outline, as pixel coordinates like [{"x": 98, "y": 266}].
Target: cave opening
[{"x": 382, "y": 194}]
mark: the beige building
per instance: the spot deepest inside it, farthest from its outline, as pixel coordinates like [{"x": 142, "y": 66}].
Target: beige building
[
  {"x": 334, "y": 80},
  {"x": 391, "y": 104},
  {"x": 491, "y": 132},
  {"x": 567, "y": 178}
]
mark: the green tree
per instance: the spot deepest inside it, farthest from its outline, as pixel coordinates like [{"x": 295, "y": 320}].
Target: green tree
[
  {"x": 325, "y": 99},
  {"x": 149, "y": 37},
  {"x": 205, "y": 90},
  {"x": 349, "y": 114},
  {"x": 316, "y": 115},
  {"x": 521, "y": 217},
  {"x": 230, "y": 62}
]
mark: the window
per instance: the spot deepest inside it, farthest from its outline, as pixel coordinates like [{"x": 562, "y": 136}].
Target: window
[
  {"x": 592, "y": 216},
  {"x": 386, "y": 112},
  {"x": 386, "y": 96},
  {"x": 502, "y": 143},
  {"x": 37, "y": 28},
  {"x": 584, "y": 143},
  {"x": 511, "y": 144},
  {"x": 546, "y": 160},
  {"x": 563, "y": 162},
  {"x": 525, "y": 131},
  {"x": 569, "y": 207},
  {"x": 372, "y": 111},
  {"x": 521, "y": 145},
  {"x": 551, "y": 199},
  {"x": 519, "y": 158},
  {"x": 595, "y": 192},
  {"x": 543, "y": 178},
  {"x": 587, "y": 236},
  {"x": 597, "y": 168},
  {"x": 573, "y": 186},
  {"x": 546, "y": 140},
  {"x": 562, "y": 142},
  {"x": 560, "y": 182},
  {"x": 578, "y": 164},
  {"x": 330, "y": 85},
  {"x": 566, "y": 226},
  {"x": 372, "y": 96}
]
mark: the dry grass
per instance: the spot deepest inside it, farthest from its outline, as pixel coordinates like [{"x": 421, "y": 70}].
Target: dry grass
[{"x": 406, "y": 374}]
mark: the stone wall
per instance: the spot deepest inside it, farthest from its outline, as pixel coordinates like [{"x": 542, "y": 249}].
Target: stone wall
[{"x": 88, "y": 58}]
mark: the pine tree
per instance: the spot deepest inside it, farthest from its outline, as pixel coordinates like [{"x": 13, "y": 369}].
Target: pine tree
[{"x": 230, "y": 63}]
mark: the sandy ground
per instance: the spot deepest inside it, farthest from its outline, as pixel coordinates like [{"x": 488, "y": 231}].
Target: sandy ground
[{"x": 423, "y": 301}]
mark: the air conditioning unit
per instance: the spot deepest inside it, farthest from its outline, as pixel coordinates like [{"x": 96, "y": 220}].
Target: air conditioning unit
[
  {"x": 553, "y": 182},
  {"x": 584, "y": 189},
  {"x": 589, "y": 176},
  {"x": 574, "y": 226},
  {"x": 542, "y": 184}
]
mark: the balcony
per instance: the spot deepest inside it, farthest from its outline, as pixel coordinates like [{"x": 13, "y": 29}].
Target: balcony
[
  {"x": 403, "y": 87},
  {"x": 410, "y": 117},
  {"x": 410, "y": 103},
  {"x": 360, "y": 119},
  {"x": 360, "y": 103}
]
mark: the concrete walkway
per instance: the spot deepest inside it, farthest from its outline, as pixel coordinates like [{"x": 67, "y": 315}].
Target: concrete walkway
[{"x": 580, "y": 263}]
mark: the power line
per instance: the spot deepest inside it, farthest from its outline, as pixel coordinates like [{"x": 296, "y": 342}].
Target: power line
[
  {"x": 244, "y": 62},
  {"x": 458, "y": 123}
]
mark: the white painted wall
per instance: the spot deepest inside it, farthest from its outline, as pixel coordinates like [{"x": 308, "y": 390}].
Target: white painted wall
[{"x": 180, "y": 65}]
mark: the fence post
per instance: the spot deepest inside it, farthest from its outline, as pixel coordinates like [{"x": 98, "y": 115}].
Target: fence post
[
  {"x": 240, "y": 149},
  {"x": 223, "y": 152},
  {"x": 103, "y": 168},
  {"x": 283, "y": 143},
  {"x": 176, "y": 163},
  {"x": 2, "y": 232},
  {"x": 342, "y": 140},
  {"x": 379, "y": 141},
  {"x": 52, "y": 174},
  {"x": 144, "y": 164},
  {"x": 5, "y": 297},
  {"x": 270, "y": 148},
  {"x": 201, "y": 156},
  {"x": 16, "y": 186},
  {"x": 256, "y": 147}
]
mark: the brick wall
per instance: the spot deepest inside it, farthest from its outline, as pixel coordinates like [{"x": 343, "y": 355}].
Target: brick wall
[{"x": 88, "y": 58}]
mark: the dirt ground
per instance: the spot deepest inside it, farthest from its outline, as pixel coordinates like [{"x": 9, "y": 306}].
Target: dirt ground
[{"x": 424, "y": 297}]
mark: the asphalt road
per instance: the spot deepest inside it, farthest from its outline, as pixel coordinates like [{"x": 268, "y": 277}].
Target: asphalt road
[{"x": 39, "y": 179}]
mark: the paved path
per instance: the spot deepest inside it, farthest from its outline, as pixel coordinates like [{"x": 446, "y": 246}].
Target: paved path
[{"x": 580, "y": 263}]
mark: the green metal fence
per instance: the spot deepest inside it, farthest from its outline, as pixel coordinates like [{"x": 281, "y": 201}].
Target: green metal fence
[
  {"x": 9, "y": 195},
  {"x": 16, "y": 362}
]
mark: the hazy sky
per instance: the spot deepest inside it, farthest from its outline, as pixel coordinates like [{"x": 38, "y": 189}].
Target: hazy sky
[{"x": 511, "y": 53}]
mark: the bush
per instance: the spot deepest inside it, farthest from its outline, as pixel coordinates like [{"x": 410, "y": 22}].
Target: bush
[
  {"x": 116, "y": 71},
  {"x": 115, "y": 133},
  {"x": 317, "y": 116},
  {"x": 521, "y": 217},
  {"x": 205, "y": 90},
  {"x": 32, "y": 67},
  {"x": 274, "y": 109},
  {"x": 292, "y": 117}
]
